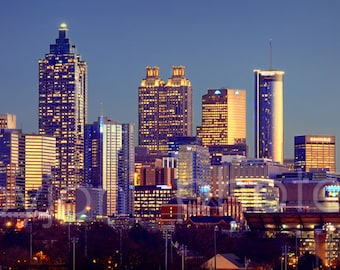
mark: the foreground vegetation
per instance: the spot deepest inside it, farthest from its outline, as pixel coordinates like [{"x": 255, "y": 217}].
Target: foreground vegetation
[{"x": 99, "y": 246}]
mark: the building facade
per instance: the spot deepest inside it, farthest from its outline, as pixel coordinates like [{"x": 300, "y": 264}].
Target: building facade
[
  {"x": 63, "y": 114},
  {"x": 164, "y": 108},
  {"x": 224, "y": 176},
  {"x": 109, "y": 163},
  {"x": 223, "y": 117},
  {"x": 193, "y": 171},
  {"x": 257, "y": 194},
  {"x": 148, "y": 202},
  {"x": 269, "y": 114},
  {"x": 314, "y": 152},
  {"x": 9, "y": 169},
  {"x": 8, "y": 121},
  {"x": 37, "y": 161}
]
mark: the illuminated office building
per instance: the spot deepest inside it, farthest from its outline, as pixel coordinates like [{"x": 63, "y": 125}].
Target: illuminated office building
[
  {"x": 8, "y": 121},
  {"x": 223, "y": 176},
  {"x": 148, "y": 202},
  {"x": 164, "y": 108},
  {"x": 193, "y": 171},
  {"x": 257, "y": 194},
  {"x": 9, "y": 168},
  {"x": 63, "y": 114},
  {"x": 37, "y": 161},
  {"x": 109, "y": 163},
  {"x": 27, "y": 162},
  {"x": 314, "y": 152},
  {"x": 223, "y": 117},
  {"x": 269, "y": 114}
]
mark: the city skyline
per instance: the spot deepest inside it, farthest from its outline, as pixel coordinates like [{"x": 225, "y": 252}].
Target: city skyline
[{"x": 219, "y": 43}]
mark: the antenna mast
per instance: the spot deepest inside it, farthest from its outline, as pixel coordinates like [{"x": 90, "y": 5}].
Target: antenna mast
[
  {"x": 271, "y": 54},
  {"x": 101, "y": 109}
]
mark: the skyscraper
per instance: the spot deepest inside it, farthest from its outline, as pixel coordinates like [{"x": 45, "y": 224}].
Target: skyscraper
[
  {"x": 109, "y": 163},
  {"x": 314, "y": 152},
  {"x": 193, "y": 171},
  {"x": 223, "y": 117},
  {"x": 37, "y": 160},
  {"x": 9, "y": 168},
  {"x": 164, "y": 108},
  {"x": 269, "y": 114},
  {"x": 63, "y": 114}
]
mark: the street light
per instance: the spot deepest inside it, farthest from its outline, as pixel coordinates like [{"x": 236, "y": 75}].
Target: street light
[
  {"x": 88, "y": 208},
  {"x": 296, "y": 249},
  {"x": 317, "y": 232},
  {"x": 215, "y": 231},
  {"x": 120, "y": 248},
  {"x": 31, "y": 239},
  {"x": 74, "y": 241},
  {"x": 184, "y": 247}
]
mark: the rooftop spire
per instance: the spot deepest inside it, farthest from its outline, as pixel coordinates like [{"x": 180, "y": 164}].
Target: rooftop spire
[
  {"x": 63, "y": 26},
  {"x": 63, "y": 30},
  {"x": 270, "y": 54},
  {"x": 62, "y": 44}
]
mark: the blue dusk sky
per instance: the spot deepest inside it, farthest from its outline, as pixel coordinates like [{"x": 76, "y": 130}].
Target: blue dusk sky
[{"x": 220, "y": 42}]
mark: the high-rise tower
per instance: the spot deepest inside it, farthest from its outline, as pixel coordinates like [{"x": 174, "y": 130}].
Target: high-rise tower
[
  {"x": 109, "y": 163},
  {"x": 193, "y": 171},
  {"x": 164, "y": 108},
  {"x": 37, "y": 155},
  {"x": 9, "y": 169},
  {"x": 269, "y": 114},
  {"x": 63, "y": 114},
  {"x": 223, "y": 117}
]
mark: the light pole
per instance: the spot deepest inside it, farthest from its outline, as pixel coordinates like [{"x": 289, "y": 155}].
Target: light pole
[
  {"x": 166, "y": 249},
  {"x": 31, "y": 240},
  {"x": 286, "y": 253},
  {"x": 88, "y": 208},
  {"x": 296, "y": 250},
  {"x": 215, "y": 231},
  {"x": 183, "y": 256},
  {"x": 74, "y": 241},
  {"x": 69, "y": 236},
  {"x": 120, "y": 248},
  {"x": 317, "y": 232}
]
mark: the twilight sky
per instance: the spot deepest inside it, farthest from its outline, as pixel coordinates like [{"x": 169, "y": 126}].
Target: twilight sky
[{"x": 220, "y": 42}]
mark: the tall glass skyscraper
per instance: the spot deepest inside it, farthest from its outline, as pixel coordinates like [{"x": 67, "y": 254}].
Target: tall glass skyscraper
[
  {"x": 63, "y": 114},
  {"x": 193, "y": 171},
  {"x": 37, "y": 160},
  {"x": 164, "y": 108},
  {"x": 223, "y": 117},
  {"x": 109, "y": 163},
  {"x": 269, "y": 114}
]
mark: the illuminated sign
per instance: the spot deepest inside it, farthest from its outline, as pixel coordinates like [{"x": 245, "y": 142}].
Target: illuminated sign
[
  {"x": 204, "y": 189},
  {"x": 332, "y": 191},
  {"x": 217, "y": 92},
  {"x": 267, "y": 73},
  {"x": 320, "y": 139}
]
